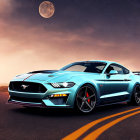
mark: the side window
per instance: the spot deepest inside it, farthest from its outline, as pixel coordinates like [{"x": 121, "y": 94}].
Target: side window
[
  {"x": 125, "y": 71},
  {"x": 116, "y": 67}
]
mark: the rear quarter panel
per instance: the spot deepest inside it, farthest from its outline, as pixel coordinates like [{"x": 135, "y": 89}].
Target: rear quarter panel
[{"x": 135, "y": 80}]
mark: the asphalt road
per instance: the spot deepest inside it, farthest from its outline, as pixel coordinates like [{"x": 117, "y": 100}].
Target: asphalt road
[{"x": 19, "y": 123}]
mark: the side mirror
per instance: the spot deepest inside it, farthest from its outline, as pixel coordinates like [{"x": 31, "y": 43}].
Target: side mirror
[{"x": 113, "y": 72}]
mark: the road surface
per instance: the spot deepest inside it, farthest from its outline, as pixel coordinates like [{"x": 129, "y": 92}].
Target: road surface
[{"x": 19, "y": 123}]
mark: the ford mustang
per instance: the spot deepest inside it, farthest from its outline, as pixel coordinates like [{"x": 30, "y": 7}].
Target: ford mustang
[{"x": 80, "y": 85}]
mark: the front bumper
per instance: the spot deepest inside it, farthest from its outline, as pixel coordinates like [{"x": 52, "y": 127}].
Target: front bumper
[
  {"x": 44, "y": 103},
  {"x": 30, "y": 104},
  {"x": 43, "y": 99}
]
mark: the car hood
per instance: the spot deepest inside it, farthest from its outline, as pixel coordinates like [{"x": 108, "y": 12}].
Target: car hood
[{"x": 53, "y": 76}]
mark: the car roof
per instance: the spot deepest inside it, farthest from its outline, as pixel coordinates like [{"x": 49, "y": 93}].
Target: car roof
[{"x": 103, "y": 61}]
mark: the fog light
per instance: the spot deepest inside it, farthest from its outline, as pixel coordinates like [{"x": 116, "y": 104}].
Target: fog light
[{"x": 59, "y": 95}]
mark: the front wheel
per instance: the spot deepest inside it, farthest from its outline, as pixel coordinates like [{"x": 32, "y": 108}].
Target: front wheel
[
  {"x": 86, "y": 99},
  {"x": 135, "y": 100}
]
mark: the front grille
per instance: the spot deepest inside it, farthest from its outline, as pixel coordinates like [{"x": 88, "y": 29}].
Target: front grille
[
  {"x": 27, "y": 87},
  {"x": 23, "y": 99}
]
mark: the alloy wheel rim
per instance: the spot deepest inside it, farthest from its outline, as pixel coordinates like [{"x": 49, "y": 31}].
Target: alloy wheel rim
[
  {"x": 86, "y": 99},
  {"x": 137, "y": 94}
]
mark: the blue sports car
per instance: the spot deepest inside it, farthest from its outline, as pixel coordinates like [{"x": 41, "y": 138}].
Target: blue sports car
[{"x": 80, "y": 85}]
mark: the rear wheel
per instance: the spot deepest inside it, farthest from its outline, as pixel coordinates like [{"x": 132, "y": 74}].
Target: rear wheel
[
  {"x": 86, "y": 99},
  {"x": 135, "y": 100}
]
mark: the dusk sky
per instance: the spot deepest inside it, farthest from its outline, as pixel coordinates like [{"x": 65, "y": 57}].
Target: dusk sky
[{"x": 78, "y": 30}]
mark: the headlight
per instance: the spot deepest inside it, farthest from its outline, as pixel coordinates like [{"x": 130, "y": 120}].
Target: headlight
[{"x": 63, "y": 85}]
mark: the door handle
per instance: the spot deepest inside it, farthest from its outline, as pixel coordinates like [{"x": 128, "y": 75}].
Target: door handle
[{"x": 127, "y": 80}]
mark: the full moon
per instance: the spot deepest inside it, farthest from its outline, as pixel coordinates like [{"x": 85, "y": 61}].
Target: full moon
[{"x": 46, "y": 9}]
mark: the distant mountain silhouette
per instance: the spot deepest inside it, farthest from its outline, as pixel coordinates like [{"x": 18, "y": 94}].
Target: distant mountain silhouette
[{"x": 3, "y": 88}]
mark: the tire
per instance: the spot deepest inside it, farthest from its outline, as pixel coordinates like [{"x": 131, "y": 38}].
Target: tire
[
  {"x": 135, "y": 100},
  {"x": 85, "y": 101}
]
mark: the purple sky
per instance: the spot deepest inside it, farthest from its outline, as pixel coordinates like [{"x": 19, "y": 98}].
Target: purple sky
[{"x": 79, "y": 30}]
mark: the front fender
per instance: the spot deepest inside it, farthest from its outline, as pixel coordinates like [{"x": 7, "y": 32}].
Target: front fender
[{"x": 81, "y": 81}]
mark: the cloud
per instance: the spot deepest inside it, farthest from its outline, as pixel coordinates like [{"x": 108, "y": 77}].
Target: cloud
[
  {"x": 6, "y": 7},
  {"x": 26, "y": 47}
]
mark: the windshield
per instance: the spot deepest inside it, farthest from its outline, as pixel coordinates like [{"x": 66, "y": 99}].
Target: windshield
[{"x": 93, "y": 67}]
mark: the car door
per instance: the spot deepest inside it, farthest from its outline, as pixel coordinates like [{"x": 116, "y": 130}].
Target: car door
[{"x": 115, "y": 87}]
